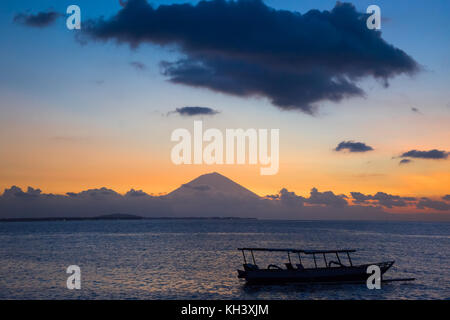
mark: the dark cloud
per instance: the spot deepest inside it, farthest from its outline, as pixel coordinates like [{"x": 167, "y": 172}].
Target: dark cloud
[
  {"x": 416, "y": 110},
  {"x": 446, "y": 197},
  {"x": 15, "y": 191},
  {"x": 388, "y": 200},
  {"x": 382, "y": 199},
  {"x": 138, "y": 65},
  {"x": 102, "y": 193},
  {"x": 327, "y": 198},
  {"x": 358, "y": 197},
  {"x": 353, "y": 146},
  {"x": 136, "y": 193},
  {"x": 195, "y": 111},
  {"x": 39, "y": 20},
  {"x": 431, "y": 154},
  {"x": 246, "y": 48},
  {"x": 288, "y": 198},
  {"x": 425, "y": 203},
  {"x": 405, "y": 161}
]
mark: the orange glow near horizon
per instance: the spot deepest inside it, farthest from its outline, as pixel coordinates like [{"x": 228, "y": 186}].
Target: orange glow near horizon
[
  {"x": 39, "y": 158},
  {"x": 156, "y": 178}
]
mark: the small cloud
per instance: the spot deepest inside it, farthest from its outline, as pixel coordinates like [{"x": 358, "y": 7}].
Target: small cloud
[
  {"x": 316, "y": 198},
  {"x": 430, "y": 154},
  {"x": 352, "y": 146},
  {"x": 327, "y": 198},
  {"x": 360, "y": 197},
  {"x": 138, "y": 65},
  {"x": 101, "y": 193},
  {"x": 288, "y": 198},
  {"x": 39, "y": 20},
  {"x": 195, "y": 111},
  {"x": 17, "y": 192},
  {"x": 404, "y": 161},
  {"x": 136, "y": 193},
  {"x": 446, "y": 197},
  {"x": 416, "y": 110}
]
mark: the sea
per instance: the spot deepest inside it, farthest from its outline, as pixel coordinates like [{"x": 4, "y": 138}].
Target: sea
[{"x": 198, "y": 258}]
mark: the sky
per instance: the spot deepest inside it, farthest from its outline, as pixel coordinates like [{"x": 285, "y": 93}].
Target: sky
[{"x": 81, "y": 110}]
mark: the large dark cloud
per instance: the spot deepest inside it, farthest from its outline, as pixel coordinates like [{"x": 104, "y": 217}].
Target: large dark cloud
[
  {"x": 195, "y": 111},
  {"x": 246, "y": 48},
  {"x": 353, "y": 146},
  {"x": 39, "y": 20},
  {"x": 431, "y": 154},
  {"x": 382, "y": 199}
]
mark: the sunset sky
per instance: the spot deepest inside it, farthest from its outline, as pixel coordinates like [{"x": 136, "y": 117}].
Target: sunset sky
[{"x": 78, "y": 114}]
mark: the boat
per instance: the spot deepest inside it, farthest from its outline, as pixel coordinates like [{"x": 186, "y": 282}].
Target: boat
[{"x": 333, "y": 269}]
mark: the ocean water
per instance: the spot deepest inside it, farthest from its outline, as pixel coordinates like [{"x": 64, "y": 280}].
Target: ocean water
[{"x": 197, "y": 259}]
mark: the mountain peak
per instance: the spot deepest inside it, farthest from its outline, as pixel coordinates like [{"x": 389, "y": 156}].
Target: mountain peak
[{"x": 213, "y": 184}]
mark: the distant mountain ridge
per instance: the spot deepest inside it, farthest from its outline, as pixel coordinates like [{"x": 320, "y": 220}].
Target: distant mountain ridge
[{"x": 207, "y": 196}]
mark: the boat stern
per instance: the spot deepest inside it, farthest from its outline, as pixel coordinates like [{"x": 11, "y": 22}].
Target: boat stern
[
  {"x": 385, "y": 266},
  {"x": 241, "y": 274}
]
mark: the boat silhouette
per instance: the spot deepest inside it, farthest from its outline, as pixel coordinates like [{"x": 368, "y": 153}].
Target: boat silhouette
[{"x": 334, "y": 269}]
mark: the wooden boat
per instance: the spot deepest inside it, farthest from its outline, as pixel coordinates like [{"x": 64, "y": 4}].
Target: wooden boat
[{"x": 333, "y": 269}]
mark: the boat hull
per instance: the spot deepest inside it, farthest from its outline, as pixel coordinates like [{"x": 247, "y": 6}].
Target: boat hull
[{"x": 312, "y": 275}]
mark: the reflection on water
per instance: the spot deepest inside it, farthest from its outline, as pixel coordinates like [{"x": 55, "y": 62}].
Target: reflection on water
[{"x": 197, "y": 259}]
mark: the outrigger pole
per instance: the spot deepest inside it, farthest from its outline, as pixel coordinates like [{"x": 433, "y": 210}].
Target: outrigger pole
[{"x": 254, "y": 262}]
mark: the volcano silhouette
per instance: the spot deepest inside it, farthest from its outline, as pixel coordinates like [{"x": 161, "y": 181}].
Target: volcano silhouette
[{"x": 212, "y": 185}]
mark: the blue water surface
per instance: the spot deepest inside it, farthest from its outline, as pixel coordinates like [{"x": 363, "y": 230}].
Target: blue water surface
[{"x": 197, "y": 259}]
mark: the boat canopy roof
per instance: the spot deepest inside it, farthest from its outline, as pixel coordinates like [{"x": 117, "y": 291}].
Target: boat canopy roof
[{"x": 298, "y": 250}]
